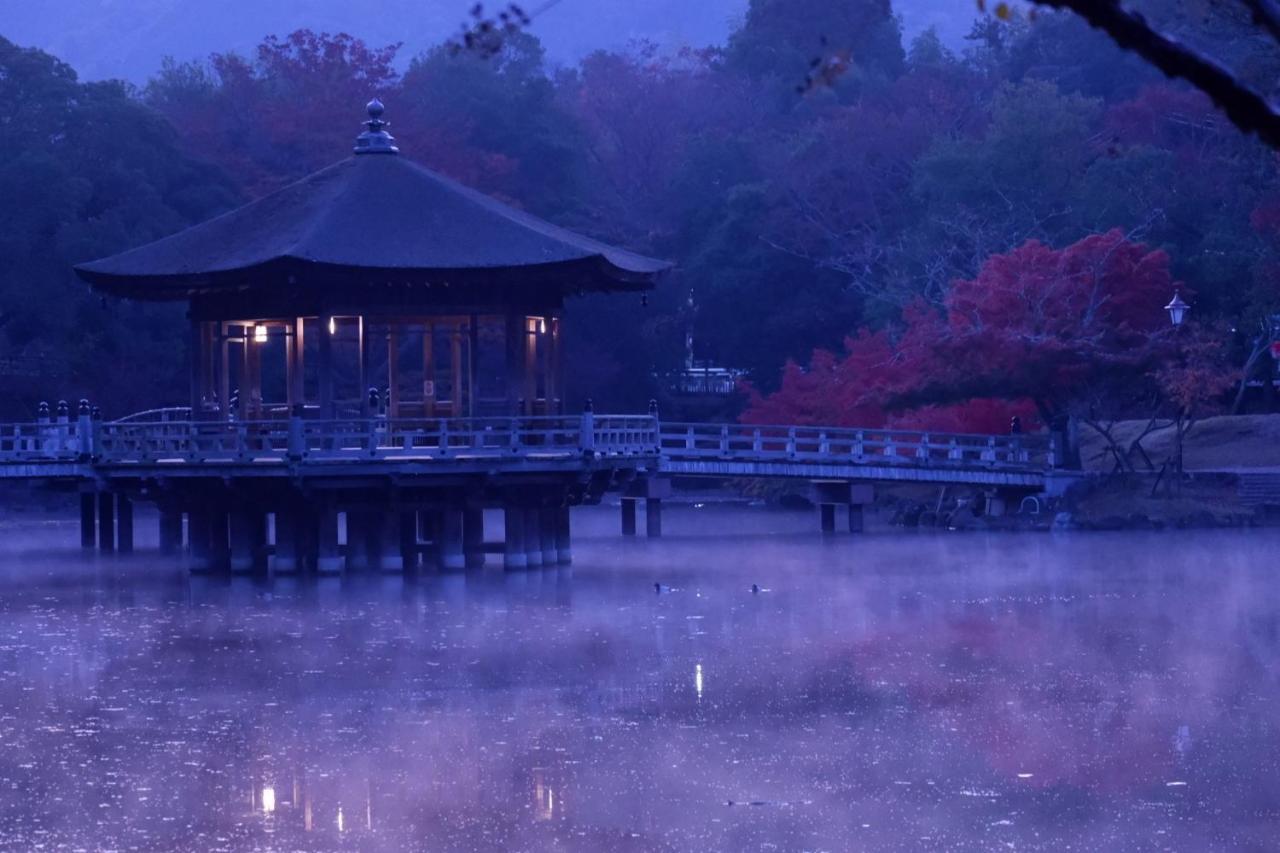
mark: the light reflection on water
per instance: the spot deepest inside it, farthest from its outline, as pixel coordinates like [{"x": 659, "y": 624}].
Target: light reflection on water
[{"x": 1105, "y": 692}]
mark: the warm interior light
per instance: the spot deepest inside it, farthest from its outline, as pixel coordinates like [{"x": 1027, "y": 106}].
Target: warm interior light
[
  {"x": 268, "y": 792},
  {"x": 260, "y": 334},
  {"x": 333, "y": 325},
  {"x": 542, "y": 325}
]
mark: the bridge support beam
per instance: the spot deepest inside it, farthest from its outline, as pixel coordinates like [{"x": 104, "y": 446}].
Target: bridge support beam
[
  {"x": 248, "y": 537},
  {"x": 653, "y": 517},
  {"x": 564, "y": 552},
  {"x": 361, "y": 540},
  {"x": 390, "y": 557},
  {"x": 409, "y": 550},
  {"x": 532, "y": 537},
  {"x": 549, "y": 522},
  {"x": 170, "y": 530},
  {"x": 124, "y": 523},
  {"x": 513, "y": 556},
  {"x": 285, "y": 558},
  {"x": 328, "y": 556},
  {"x": 473, "y": 537},
  {"x": 829, "y": 494},
  {"x": 200, "y": 533},
  {"x": 88, "y": 519},
  {"x": 629, "y": 516},
  {"x": 449, "y": 541},
  {"x": 106, "y": 521},
  {"x": 827, "y": 516}
]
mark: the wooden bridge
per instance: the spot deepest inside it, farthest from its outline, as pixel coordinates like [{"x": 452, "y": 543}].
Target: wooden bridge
[
  {"x": 169, "y": 443},
  {"x": 406, "y": 489}
]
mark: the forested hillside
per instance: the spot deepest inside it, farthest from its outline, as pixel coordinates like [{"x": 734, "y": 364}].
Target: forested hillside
[{"x": 798, "y": 220}]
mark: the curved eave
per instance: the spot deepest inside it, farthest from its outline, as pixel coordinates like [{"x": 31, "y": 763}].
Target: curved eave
[{"x": 597, "y": 273}]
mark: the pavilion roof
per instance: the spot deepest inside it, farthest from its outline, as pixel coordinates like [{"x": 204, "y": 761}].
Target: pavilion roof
[{"x": 376, "y": 215}]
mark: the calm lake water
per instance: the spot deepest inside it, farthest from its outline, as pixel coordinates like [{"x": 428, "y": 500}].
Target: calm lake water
[{"x": 889, "y": 692}]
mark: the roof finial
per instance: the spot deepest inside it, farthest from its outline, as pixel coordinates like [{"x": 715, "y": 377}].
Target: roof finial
[{"x": 376, "y": 140}]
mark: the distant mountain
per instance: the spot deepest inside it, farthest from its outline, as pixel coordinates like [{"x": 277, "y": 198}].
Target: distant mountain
[{"x": 128, "y": 38}]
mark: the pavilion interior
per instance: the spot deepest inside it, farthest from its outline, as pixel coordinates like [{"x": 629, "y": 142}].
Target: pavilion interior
[{"x": 446, "y": 365}]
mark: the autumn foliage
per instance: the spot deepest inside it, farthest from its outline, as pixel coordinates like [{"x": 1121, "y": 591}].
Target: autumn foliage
[{"x": 1042, "y": 330}]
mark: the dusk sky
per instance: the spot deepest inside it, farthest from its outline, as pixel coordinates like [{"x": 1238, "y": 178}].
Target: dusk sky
[{"x": 111, "y": 38}]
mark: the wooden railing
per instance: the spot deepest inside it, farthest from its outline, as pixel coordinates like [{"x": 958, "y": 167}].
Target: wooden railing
[
  {"x": 299, "y": 439},
  {"x": 835, "y": 445}
]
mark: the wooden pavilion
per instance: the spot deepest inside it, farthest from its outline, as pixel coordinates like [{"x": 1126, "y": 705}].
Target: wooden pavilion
[
  {"x": 384, "y": 310},
  {"x": 374, "y": 282}
]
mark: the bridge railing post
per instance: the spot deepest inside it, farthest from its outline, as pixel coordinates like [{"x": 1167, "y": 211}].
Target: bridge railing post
[
  {"x": 655, "y": 423},
  {"x": 954, "y": 453},
  {"x": 791, "y": 441},
  {"x": 724, "y": 440},
  {"x": 587, "y": 430},
  {"x": 45, "y": 441},
  {"x": 443, "y": 443},
  {"x": 756, "y": 445},
  {"x": 922, "y": 449},
  {"x": 859, "y": 445},
  {"x": 84, "y": 431},
  {"x": 65, "y": 443},
  {"x": 824, "y": 444},
  {"x": 297, "y": 439},
  {"x": 688, "y": 438},
  {"x": 989, "y": 452},
  {"x": 95, "y": 440}
]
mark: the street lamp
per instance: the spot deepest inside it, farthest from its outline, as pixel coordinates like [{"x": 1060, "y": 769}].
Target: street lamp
[{"x": 1177, "y": 309}]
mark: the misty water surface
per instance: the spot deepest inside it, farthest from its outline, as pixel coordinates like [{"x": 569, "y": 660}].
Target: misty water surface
[{"x": 891, "y": 692}]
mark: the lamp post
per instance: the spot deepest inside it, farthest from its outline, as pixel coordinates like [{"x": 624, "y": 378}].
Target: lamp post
[{"x": 1177, "y": 309}]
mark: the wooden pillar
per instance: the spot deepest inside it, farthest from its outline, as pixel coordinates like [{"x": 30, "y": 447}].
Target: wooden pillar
[
  {"x": 409, "y": 550},
  {"x": 653, "y": 517},
  {"x": 248, "y": 536},
  {"x": 556, "y": 385},
  {"x": 629, "y": 516},
  {"x": 328, "y": 557},
  {"x": 549, "y": 523},
  {"x": 533, "y": 537},
  {"x": 473, "y": 370},
  {"x": 170, "y": 530},
  {"x": 530, "y": 367},
  {"x": 513, "y": 556},
  {"x": 473, "y": 537},
  {"x": 198, "y": 357},
  {"x": 449, "y": 544},
  {"x": 428, "y": 369},
  {"x": 124, "y": 523},
  {"x": 285, "y": 560},
  {"x": 393, "y": 370},
  {"x": 362, "y": 365},
  {"x": 325, "y": 365},
  {"x": 88, "y": 518},
  {"x": 106, "y": 521},
  {"x": 295, "y": 368},
  {"x": 219, "y": 543},
  {"x": 827, "y": 516},
  {"x": 199, "y": 530},
  {"x": 224, "y": 375},
  {"x": 514, "y": 360},
  {"x": 855, "y": 518},
  {"x": 358, "y": 552},
  {"x": 455, "y": 368},
  {"x": 564, "y": 552}
]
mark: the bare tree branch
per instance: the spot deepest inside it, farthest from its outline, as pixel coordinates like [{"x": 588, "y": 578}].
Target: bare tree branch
[{"x": 1246, "y": 109}]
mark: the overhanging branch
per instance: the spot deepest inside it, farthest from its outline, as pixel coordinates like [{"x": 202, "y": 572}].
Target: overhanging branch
[{"x": 1247, "y": 110}]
